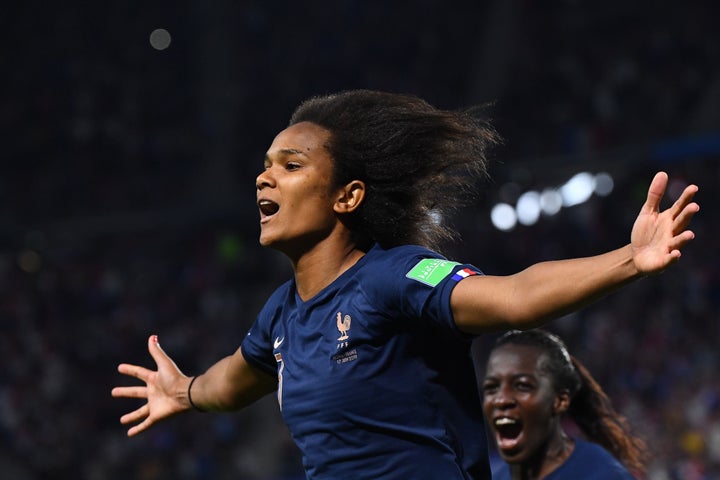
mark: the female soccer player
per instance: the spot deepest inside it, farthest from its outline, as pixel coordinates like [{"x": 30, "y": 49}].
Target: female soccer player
[
  {"x": 368, "y": 345},
  {"x": 530, "y": 384}
]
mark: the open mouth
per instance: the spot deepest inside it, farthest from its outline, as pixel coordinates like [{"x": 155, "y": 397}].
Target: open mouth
[
  {"x": 268, "y": 207},
  {"x": 507, "y": 432}
]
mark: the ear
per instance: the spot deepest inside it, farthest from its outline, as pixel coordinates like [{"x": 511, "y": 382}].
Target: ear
[
  {"x": 350, "y": 197},
  {"x": 562, "y": 402}
]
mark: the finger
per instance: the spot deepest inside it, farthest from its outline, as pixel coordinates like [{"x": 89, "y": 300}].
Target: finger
[
  {"x": 679, "y": 241},
  {"x": 155, "y": 350},
  {"x": 129, "y": 392},
  {"x": 684, "y": 200},
  {"x": 161, "y": 358},
  {"x": 141, "y": 427},
  {"x": 656, "y": 192},
  {"x": 136, "y": 371},
  {"x": 682, "y": 221},
  {"x": 135, "y": 415}
]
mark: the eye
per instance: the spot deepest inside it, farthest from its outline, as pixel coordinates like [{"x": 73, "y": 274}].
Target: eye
[
  {"x": 292, "y": 166},
  {"x": 489, "y": 387},
  {"x": 524, "y": 386}
]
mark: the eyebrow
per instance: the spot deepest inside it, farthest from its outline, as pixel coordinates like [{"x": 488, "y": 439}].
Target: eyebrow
[
  {"x": 287, "y": 152},
  {"x": 512, "y": 376}
]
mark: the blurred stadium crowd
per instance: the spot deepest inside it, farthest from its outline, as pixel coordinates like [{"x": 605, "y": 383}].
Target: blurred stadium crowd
[{"x": 127, "y": 203}]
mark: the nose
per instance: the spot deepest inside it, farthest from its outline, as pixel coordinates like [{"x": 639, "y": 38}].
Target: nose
[
  {"x": 503, "y": 398},
  {"x": 265, "y": 179}
]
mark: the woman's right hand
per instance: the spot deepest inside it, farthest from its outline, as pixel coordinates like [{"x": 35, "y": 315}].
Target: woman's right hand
[{"x": 165, "y": 390}]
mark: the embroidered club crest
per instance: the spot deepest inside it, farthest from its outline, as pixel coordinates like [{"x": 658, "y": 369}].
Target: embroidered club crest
[{"x": 343, "y": 326}]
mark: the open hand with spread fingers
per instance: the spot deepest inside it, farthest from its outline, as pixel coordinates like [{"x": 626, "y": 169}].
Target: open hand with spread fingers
[
  {"x": 658, "y": 237},
  {"x": 164, "y": 390}
]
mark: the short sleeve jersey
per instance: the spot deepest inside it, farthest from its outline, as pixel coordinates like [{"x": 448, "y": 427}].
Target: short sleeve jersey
[
  {"x": 375, "y": 381},
  {"x": 588, "y": 461}
]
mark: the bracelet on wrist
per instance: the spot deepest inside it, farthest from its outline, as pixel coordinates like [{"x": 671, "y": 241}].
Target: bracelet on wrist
[{"x": 192, "y": 404}]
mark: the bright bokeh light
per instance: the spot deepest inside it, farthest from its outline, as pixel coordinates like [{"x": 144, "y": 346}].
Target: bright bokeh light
[
  {"x": 550, "y": 201},
  {"x": 531, "y": 205},
  {"x": 503, "y": 217},
  {"x": 528, "y": 208},
  {"x": 160, "y": 39},
  {"x": 578, "y": 189},
  {"x": 604, "y": 184}
]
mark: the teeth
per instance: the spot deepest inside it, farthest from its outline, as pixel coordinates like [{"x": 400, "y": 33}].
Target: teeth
[
  {"x": 268, "y": 207},
  {"x": 505, "y": 421}
]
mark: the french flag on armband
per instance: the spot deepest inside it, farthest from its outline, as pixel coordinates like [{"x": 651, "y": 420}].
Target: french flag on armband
[{"x": 464, "y": 273}]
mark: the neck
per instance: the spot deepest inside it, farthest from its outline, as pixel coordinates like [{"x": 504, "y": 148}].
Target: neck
[
  {"x": 556, "y": 452},
  {"x": 319, "y": 267}
]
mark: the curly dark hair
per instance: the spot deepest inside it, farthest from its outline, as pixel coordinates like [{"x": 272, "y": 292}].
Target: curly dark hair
[
  {"x": 590, "y": 407},
  {"x": 418, "y": 163}
]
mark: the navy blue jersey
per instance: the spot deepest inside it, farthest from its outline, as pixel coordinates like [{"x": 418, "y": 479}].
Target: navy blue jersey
[
  {"x": 375, "y": 379},
  {"x": 588, "y": 461}
]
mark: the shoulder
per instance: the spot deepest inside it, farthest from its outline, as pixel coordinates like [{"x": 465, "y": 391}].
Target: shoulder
[
  {"x": 591, "y": 450},
  {"x": 403, "y": 254},
  {"x": 382, "y": 268},
  {"x": 501, "y": 472},
  {"x": 588, "y": 461},
  {"x": 589, "y": 457},
  {"x": 411, "y": 282},
  {"x": 411, "y": 262},
  {"x": 393, "y": 271}
]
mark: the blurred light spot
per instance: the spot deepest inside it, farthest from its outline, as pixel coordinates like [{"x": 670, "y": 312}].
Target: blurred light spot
[
  {"x": 578, "y": 189},
  {"x": 550, "y": 202},
  {"x": 436, "y": 216},
  {"x": 229, "y": 248},
  {"x": 29, "y": 261},
  {"x": 503, "y": 216},
  {"x": 528, "y": 208},
  {"x": 604, "y": 184},
  {"x": 160, "y": 39}
]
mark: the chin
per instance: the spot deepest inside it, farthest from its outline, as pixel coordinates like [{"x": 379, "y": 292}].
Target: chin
[
  {"x": 276, "y": 244},
  {"x": 514, "y": 457},
  {"x": 267, "y": 240}
]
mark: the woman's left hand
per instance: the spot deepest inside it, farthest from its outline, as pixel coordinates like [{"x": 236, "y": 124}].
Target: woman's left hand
[{"x": 658, "y": 237}]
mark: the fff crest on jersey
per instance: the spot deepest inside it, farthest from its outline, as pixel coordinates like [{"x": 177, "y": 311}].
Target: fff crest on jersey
[
  {"x": 344, "y": 355},
  {"x": 343, "y": 326}
]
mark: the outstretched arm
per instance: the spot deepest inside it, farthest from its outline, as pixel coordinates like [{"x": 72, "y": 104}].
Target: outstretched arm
[
  {"x": 548, "y": 290},
  {"x": 228, "y": 385}
]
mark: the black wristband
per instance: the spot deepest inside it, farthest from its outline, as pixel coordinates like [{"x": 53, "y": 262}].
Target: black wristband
[{"x": 192, "y": 404}]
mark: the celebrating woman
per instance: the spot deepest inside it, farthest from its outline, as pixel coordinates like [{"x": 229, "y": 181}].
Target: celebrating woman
[{"x": 367, "y": 346}]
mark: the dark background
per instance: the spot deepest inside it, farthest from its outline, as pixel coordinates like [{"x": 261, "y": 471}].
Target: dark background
[{"x": 127, "y": 201}]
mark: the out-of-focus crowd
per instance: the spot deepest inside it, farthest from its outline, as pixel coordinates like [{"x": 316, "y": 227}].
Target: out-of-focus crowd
[{"x": 127, "y": 203}]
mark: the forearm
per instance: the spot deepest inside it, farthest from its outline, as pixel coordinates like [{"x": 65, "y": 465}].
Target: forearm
[
  {"x": 551, "y": 289},
  {"x": 540, "y": 293},
  {"x": 230, "y": 384}
]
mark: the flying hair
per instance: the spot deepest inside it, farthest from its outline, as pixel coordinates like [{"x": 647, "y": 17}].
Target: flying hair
[{"x": 419, "y": 163}]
